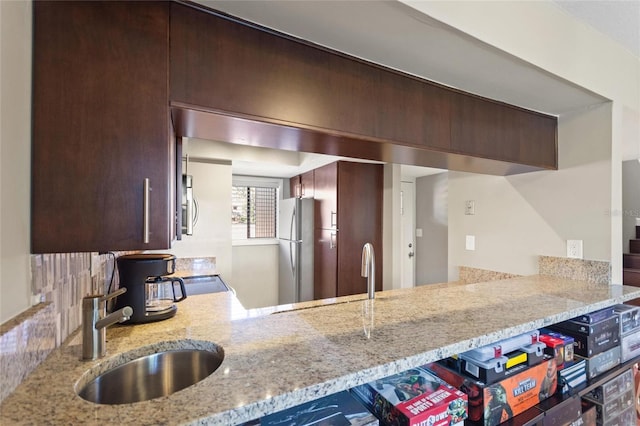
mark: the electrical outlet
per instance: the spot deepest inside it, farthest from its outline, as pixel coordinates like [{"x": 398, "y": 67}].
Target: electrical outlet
[{"x": 574, "y": 249}]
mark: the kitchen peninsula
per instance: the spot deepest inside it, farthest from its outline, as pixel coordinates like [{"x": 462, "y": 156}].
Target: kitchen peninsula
[{"x": 277, "y": 358}]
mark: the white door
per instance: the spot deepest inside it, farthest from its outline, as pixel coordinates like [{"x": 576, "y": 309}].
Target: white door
[{"x": 408, "y": 224}]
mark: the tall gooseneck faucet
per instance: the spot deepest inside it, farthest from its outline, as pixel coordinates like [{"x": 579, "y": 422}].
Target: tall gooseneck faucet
[
  {"x": 369, "y": 269},
  {"x": 95, "y": 321}
]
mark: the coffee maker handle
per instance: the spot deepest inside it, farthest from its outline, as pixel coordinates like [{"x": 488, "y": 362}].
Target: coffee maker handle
[{"x": 182, "y": 289}]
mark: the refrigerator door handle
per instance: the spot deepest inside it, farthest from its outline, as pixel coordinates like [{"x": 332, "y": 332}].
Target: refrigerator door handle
[
  {"x": 293, "y": 239},
  {"x": 293, "y": 267}
]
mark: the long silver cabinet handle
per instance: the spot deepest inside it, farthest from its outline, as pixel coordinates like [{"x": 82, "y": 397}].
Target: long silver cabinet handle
[{"x": 145, "y": 209}]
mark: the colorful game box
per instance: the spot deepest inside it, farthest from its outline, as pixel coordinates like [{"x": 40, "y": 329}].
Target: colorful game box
[
  {"x": 493, "y": 404},
  {"x": 559, "y": 346},
  {"x": 413, "y": 397}
]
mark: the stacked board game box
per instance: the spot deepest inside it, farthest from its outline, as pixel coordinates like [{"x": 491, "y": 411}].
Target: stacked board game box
[
  {"x": 413, "y": 397},
  {"x": 571, "y": 378},
  {"x": 561, "y": 413},
  {"x": 629, "y": 331},
  {"x": 598, "y": 335},
  {"x": 492, "y": 404},
  {"x": 602, "y": 362},
  {"x": 338, "y": 409},
  {"x": 615, "y": 400},
  {"x": 559, "y": 346}
]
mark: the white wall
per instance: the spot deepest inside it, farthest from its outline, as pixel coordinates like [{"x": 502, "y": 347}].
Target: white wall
[
  {"x": 391, "y": 228},
  {"x": 15, "y": 149},
  {"x": 523, "y": 216},
  {"x": 255, "y": 275},
  {"x": 212, "y": 233},
  {"x": 432, "y": 217},
  {"x": 542, "y": 34}
]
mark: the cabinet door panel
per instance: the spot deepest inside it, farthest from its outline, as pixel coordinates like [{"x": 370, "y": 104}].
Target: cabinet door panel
[
  {"x": 360, "y": 216},
  {"x": 294, "y": 187},
  {"x": 325, "y": 254},
  {"x": 326, "y": 196},
  {"x": 307, "y": 182},
  {"x": 486, "y": 129},
  {"x": 100, "y": 126}
]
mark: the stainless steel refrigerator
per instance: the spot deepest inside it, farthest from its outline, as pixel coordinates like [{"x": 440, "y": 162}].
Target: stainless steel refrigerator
[{"x": 295, "y": 235}]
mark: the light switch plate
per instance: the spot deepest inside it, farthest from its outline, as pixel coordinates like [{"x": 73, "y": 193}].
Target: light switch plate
[
  {"x": 418, "y": 232},
  {"x": 574, "y": 249},
  {"x": 469, "y": 207},
  {"x": 470, "y": 243}
]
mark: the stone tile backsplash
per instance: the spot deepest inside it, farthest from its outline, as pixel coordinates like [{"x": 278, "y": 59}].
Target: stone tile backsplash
[
  {"x": 468, "y": 275},
  {"x": 595, "y": 271},
  {"x": 59, "y": 281}
]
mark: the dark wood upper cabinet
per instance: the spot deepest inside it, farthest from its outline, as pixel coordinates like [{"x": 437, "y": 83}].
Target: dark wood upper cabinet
[
  {"x": 301, "y": 186},
  {"x": 243, "y": 83},
  {"x": 101, "y": 126},
  {"x": 307, "y": 184},
  {"x": 326, "y": 196},
  {"x": 114, "y": 84},
  {"x": 484, "y": 128}
]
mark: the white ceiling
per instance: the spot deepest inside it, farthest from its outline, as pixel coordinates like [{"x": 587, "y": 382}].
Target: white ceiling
[
  {"x": 617, "y": 19},
  {"x": 393, "y": 34}
]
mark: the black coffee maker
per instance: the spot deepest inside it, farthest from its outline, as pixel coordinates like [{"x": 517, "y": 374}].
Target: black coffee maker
[{"x": 151, "y": 291}]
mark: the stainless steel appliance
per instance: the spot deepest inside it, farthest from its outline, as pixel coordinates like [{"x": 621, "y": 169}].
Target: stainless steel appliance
[
  {"x": 295, "y": 265},
  {"x": 151, "y": 290},
  {"x": 189, "y": 205},
  {"x": 204, "y": 284}
]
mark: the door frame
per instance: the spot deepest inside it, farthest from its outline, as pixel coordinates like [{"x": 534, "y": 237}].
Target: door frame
[{"x": 408, "y": 233}]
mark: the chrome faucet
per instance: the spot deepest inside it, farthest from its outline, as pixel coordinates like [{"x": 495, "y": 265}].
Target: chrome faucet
[
  {"x": 95, "y": 322},
  {"x": 369, "y": 269}
]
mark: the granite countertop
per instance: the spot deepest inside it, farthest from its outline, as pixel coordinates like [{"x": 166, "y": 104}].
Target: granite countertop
[{"x": 277, "y": 358}]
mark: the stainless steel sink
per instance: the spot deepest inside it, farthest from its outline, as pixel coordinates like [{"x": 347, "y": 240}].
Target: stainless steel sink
[{"x": 151, "y": 376}]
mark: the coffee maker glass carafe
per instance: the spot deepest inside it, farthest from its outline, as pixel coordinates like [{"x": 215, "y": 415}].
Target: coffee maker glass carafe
[
  {"x": 151, "y": 290},
  {"x": 161, "y": 293}
]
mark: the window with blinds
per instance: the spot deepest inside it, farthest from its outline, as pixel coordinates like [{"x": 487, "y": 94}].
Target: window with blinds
[{"x": 253, "y": 212}]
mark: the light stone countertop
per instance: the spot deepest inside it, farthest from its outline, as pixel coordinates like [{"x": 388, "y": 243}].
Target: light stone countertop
[{"x": 276, "y": 358}]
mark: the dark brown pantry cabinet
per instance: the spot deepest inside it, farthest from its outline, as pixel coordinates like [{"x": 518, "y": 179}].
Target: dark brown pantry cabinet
[
  {"x": 348, "y": 214},
  {"x": 101, "y": 127}
]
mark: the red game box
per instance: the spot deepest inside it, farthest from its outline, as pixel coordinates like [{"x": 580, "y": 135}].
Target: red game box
[
  {"x": 558, "y": 346},
  {"x": 495, "y": 403},
  {"x": 413, "y": 397}
]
